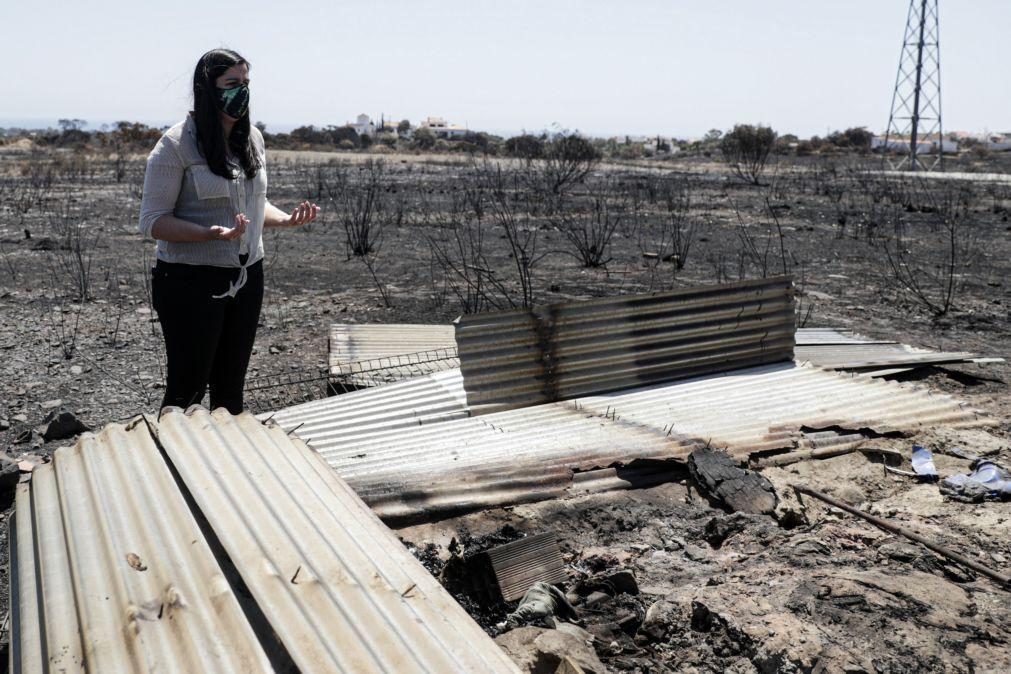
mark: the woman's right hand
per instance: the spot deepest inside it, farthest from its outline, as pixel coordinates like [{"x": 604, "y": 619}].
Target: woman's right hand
[{"x": 219, "y": 233}]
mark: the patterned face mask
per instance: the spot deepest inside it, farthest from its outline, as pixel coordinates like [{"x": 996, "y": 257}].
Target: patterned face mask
[{"x": 234, "y": 102}]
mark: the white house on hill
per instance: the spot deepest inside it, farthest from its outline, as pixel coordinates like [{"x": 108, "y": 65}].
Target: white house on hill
[
  {"x": 442, "y": 129},
  {"x": 364, "y": 126}
]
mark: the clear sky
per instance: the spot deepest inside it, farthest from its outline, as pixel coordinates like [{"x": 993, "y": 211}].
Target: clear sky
[{"x": 673, "y": 67}]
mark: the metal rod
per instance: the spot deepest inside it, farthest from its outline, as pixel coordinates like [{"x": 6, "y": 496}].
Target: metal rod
[
  {"x": 1001, "y": 578},
  {"x": 803, "y": 455}
]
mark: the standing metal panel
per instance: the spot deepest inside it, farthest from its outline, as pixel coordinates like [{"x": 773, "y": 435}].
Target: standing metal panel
[
  {"x": 353, "y": 342},
  {"x": 372, "y": 355},
  {"x": 112, "y": 573},
  {"x": 524, "y": 357},
  {"x": 341, "y": 592}
]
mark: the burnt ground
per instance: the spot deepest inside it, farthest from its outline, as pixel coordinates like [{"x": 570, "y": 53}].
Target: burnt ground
[
  {"x": 834, "y": 591},
  {"x": 733, "y": 592}
]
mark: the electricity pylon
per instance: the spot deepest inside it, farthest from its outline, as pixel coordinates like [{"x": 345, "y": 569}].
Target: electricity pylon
[{"x": 916, "y": 103}]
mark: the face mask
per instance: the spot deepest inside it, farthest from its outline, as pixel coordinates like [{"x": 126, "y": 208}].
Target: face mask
[{"x": 234, "y": 102}]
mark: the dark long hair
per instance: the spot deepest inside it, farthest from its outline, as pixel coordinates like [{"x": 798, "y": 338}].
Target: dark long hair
[{"x": 210, "y": 136}]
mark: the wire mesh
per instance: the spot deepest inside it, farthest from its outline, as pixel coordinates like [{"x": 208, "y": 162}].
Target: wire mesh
[{"x": 274, "y": 391}]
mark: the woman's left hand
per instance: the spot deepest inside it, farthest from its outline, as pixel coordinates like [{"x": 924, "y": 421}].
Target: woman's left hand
[{"x": 304, "y": 213}]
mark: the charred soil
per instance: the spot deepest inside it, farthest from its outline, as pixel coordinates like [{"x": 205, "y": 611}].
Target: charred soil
[{"x": 922, "y": 261}]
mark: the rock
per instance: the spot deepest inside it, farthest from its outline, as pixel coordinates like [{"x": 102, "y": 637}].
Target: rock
[
  {"x": 605, "y": 632},
  {"x": 576, "y": 631},
  {"x": 900, "y": 552},
  {"x": 596, "y": 598},
  {"x": 809, "y": 546},
  {"x": 61, "y": 424},
  {"x": 536, "y": 650},
  {"x": 695, "y": 553},
  {"x": 721, "y": 527},
  {"x": 724, "y": 482},
  {"x": 623, "y": 581},
  {"x": 20, "y": 418},
  {"x": 629, "y": 622},
  {"x": 4, "y": 424},
  {"x": 76, "y": 370},
  {"x": 52, "y": 404},
  {"x": 665, "y": 618}
]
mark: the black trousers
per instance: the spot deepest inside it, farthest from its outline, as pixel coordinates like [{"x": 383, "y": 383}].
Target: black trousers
[{"x": 208, "y": 341}]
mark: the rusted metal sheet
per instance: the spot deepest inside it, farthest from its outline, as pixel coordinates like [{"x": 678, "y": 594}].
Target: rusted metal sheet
[
  {"x": 538, "y": 452},
  {"x": 338, "y": 589},
  {"x": 374, "y": 354},
  {"x": 528, "y": 356},
  {"x": 212, "y": 543},
  {"x": 110, "y": 572}
]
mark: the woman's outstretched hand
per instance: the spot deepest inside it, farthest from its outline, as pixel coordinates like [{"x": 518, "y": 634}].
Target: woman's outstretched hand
[
  {"x": 219, "y": 233},
  {"x": 304, "y": 213}
]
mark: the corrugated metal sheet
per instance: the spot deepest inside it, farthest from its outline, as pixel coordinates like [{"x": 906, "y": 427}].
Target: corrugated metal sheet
[
  {"x": 353, "y": 416},
  {"x": 826, "y": 347},
  {"x": 134, "y": 555},
  {"x": 110, "y": 572},
  {"x": 846, "y": 350},
  {"x": 876, "y": 356},
  {"x": 373, "y": 354},
  {"x": 812, "y": 336},
  {"x": 340, "y": 591},
  {"x": 520, "y": 564},
  {"x": 527, "y": 356},
  {"x": 350, "y": 343},
  {"x": 533, "y": 453}
]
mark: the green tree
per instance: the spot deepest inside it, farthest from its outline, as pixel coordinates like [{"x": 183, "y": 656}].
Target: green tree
[
  {"x": 526, "y": 146},
  {"x": 424, "y": 139},
  {"x": 339, "y": 134},
  {"x": 857, "y": 138}
]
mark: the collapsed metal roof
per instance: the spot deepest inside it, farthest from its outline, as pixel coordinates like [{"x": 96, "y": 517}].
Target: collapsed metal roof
[
  {"x": 418, "y": 448},
  {"x": 210, "y": 543},
  {"x": 417, "y": 468}
]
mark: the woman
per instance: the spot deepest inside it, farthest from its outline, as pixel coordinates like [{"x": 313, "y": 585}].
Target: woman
[{"x": 205, "y": 202}]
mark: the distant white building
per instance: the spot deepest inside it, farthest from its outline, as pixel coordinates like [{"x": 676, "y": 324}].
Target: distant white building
[
  {"x": 364, "y": 126},
  {"x": 443, "y": 129},
  {"x": 999, "y": 142},
  {"x": 924, "y": 145}
]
